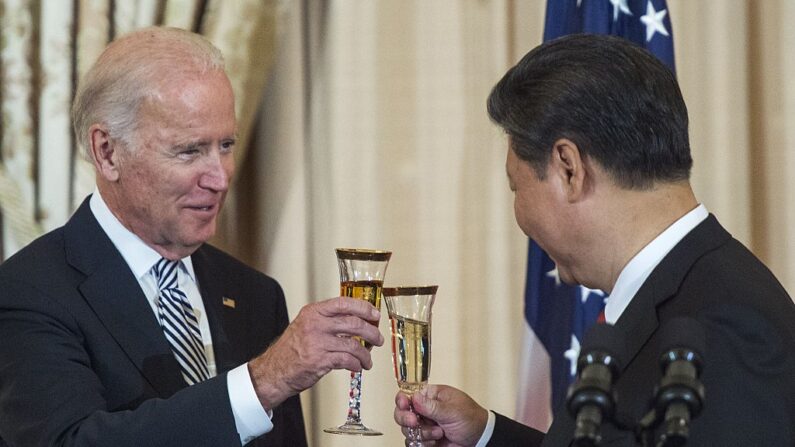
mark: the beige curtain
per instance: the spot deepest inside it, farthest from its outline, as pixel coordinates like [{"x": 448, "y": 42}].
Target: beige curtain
[
  {"x": 735, "y": 64},
  {"x": 48, "y": 45},
  {"x": 372, "y": 132}
]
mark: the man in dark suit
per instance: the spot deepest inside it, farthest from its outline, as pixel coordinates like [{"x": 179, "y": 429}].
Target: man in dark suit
[
  {"x": 599, "y": 161},
  {"x": 106, "y": 321}
]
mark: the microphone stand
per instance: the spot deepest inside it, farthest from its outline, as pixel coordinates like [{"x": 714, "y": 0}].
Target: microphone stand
[
  {"x": 680, "y": 396},
  {"x": 591, "y": 398}
]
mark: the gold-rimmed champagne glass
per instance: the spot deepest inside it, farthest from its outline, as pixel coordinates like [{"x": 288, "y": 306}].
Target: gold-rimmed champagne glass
[
  {"x": 361, "y": 276},
  {"x": 409, "y": 310}
]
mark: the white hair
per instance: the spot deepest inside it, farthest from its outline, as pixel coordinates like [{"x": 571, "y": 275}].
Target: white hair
[{"x": 132, "y": 69}]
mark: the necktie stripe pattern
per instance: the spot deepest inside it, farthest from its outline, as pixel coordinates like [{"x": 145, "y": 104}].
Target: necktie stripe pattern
[{"x": 179, "y": 323}]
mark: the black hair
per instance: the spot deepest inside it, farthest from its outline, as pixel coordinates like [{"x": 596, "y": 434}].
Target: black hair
[{"x": 618, "y": 103}]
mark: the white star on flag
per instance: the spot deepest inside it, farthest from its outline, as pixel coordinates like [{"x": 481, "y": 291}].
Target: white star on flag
[
  {"x": 572, "y": 354},
  {"x": 654, "y": 21},
  {"x": 554, "y": 274},
  {"x": 620, "y": 5}
]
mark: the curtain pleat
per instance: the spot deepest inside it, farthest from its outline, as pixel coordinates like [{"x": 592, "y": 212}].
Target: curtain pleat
[
  {"x": 17, "y": 184},
  {"x": 54, "y": 124},
  {"x": 182, "y": 14},
  {"x": 92, "y": 35}
]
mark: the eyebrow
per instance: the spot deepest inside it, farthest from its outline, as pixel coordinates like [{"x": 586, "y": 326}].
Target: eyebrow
[
  {"x": 190, "y": 145},
  {"x": 198, "y": 144}
]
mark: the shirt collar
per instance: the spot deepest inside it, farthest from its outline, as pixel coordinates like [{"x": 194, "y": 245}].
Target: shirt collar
[
  {"x": 139, "y": 256},
  {"x": 640, "y": 267}
]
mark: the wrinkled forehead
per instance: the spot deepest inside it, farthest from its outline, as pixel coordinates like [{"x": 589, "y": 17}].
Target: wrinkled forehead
[
  {"x": 190, "y": 102},
  {"x": 188, "y": 85}
]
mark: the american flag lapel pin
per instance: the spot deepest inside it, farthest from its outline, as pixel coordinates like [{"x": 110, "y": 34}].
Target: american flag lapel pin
[{"x": 228, "y": 302}]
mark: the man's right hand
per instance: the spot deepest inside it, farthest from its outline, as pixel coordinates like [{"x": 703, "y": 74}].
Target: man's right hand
[
  {"x": 449, "y": 416},
  {"x": 319, "y": 340}
]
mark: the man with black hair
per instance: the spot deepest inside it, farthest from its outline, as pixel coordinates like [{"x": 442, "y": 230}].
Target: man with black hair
[{"x": 599, "y": 162}]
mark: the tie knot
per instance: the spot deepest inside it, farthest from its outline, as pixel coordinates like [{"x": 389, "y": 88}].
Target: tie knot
[{"x": 166, "y": 273}]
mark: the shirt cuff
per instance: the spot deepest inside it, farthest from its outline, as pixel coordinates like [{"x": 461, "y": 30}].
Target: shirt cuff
[
  {"x": 486, "y": 436},
  {"x": 251, "y": 419}
]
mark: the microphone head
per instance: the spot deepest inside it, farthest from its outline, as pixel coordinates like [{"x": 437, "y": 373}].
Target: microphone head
[
  {"x": 682, "y": 338},
  {"x": 605, "y": 344}
]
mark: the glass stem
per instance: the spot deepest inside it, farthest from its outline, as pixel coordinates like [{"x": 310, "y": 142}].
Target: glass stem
[
  {"x": 355, "y": 399},
  {"x": 414, "y": 432}
]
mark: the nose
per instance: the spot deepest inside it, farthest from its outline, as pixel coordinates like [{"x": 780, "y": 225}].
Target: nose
[{"x": 218, "y": 172}]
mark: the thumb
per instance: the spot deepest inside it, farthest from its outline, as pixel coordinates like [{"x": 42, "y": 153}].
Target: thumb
[{"x": 425, "y": 405}]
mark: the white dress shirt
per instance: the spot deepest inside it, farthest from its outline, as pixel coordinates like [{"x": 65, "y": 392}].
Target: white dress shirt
[
  {"x": 632, "y": 276},
  {"x": 638, "y": 269},
  {"x": 251, "y": 419}
]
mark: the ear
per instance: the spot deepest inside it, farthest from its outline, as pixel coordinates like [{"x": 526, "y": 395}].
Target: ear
[
  {"x": 104, "y": 152},
  {"x": 569, "y": 165}
]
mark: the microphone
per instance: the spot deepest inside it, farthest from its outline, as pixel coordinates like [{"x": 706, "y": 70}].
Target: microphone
[
  {"x": 590, "y": 398},
  {"x": 680, "y": 395}
]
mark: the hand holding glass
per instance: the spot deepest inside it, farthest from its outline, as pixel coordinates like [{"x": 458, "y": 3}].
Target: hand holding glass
[
  {"x": 361, "y": 276},
  {"x": 410, "y": 321}
]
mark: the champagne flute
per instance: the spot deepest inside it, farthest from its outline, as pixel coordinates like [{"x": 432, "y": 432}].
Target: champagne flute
[
  {"x": 410, "y": 321},
  {"x": 361, "y": 276}
]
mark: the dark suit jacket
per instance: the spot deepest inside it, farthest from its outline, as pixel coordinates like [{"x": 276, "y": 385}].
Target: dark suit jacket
[
  {"x": 749, "y": 366},
  {"x": 84, "y": 362}
]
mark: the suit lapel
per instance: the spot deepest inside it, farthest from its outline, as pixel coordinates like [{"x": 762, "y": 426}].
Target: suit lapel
[
  {"x": 219, "y": 316},
  {"x": 116, "y": 298},
  {"x": 640, "y": 319}
]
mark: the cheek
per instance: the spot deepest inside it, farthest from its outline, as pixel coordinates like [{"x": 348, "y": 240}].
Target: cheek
[
  {"x": 138, "y": 186},
  {"x": 520, "y": 212},
  {"x": 228, "y": 164}
]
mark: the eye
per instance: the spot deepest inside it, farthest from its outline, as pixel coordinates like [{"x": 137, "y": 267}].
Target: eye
[
  {"x": 188, "y": 153},
  {"x": 227, "y": 146}
]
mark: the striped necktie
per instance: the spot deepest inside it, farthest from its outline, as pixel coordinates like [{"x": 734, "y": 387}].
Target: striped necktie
[{"x": 179, "y": 323}]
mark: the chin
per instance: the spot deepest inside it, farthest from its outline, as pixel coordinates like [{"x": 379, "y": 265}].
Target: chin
[
  {"x": 565, "y": 275},
  {"x": 198, "y": 238},
  {"x": 568, "y": 279}
]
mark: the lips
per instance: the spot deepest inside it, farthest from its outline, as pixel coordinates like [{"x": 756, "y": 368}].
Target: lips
[{"x": 203, "y": 208}]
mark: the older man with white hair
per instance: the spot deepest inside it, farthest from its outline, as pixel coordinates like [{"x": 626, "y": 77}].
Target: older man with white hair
[{"x": 124, "y": 327}]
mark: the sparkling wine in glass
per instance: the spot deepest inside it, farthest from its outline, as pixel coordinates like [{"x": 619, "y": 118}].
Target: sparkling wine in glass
[
  {"x": 409, "y": 310},
  {"x": 361, "y": 276}
]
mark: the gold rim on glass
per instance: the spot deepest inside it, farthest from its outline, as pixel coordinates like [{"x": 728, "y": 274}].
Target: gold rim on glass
[
  {"x": 363, "y": 254},
  {"x": 409, "y": 290}
]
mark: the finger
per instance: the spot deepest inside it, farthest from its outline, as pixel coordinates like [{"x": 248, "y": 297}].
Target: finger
[
  {"x": 402, "y": 401},
  {"x": 341, "y": 360},
  {"x": 348, "y": 349},
  {"x": 405, "y": 418},
  {"x": 423, "y": 404},
  {"x": 344, "y": 305},
  {"x": 431, "y": 391},
  {"x": 354, "y": 326},
  {"x": 432, "y": 433}
]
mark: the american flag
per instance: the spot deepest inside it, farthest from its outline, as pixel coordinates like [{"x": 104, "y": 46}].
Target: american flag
[{"x": 558, "y": 315}]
